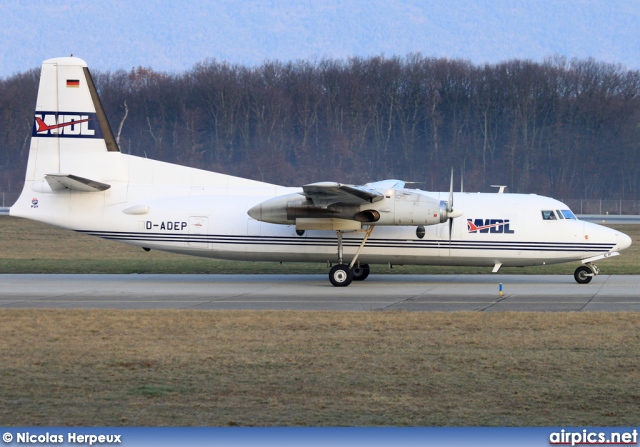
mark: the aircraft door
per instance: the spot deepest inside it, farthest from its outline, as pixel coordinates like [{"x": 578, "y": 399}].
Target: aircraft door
[{"x": 198, "y": 231}]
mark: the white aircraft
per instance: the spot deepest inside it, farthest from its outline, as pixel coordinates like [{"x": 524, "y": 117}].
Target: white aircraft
[{"x": 78, "y": 179}]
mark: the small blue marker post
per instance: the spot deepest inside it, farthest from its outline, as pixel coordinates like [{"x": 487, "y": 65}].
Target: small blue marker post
[{"x": 500, "y": 289}]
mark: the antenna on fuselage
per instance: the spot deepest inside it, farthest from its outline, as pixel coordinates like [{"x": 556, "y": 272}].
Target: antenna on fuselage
[{"x": 501, "y": 188}]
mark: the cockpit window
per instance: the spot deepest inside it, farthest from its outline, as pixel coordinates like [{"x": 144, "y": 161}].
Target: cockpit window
[
  {"x": 568, "y": 214},
  {"x": 559, "y": 214},
  {"x": 548, "y": 215}
]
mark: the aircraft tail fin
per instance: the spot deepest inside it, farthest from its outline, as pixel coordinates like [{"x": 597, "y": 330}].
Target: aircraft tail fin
[{"x": 70, "y": 134}]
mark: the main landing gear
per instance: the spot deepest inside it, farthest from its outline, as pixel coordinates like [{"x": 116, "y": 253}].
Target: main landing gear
[
  {"x": 585, "y": 273},
  {"x": 342, "y": 275}
]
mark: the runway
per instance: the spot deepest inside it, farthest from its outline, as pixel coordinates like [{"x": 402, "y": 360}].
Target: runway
[{"x": 314, "y": 292}]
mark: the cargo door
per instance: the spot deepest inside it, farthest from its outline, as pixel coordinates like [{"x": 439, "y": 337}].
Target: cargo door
[{"x": 198, "y": 232}]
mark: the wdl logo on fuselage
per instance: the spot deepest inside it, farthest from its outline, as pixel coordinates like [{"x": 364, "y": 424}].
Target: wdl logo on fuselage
[
  {"x": 66, "y": 125},
  {"x": 489, "y": 226}
]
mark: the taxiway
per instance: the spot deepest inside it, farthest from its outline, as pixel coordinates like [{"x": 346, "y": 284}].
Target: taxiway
[{"x": 314, "y": 292}]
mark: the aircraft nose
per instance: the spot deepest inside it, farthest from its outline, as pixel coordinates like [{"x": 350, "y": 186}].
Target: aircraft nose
[{"x": 624, "y": 241}]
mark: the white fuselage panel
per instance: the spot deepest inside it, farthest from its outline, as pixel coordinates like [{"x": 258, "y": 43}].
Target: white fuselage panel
[{"x": 185, "y": 210}]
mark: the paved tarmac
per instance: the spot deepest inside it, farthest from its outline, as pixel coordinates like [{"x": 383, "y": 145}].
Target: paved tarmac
[{"x": 314, "y": 292}]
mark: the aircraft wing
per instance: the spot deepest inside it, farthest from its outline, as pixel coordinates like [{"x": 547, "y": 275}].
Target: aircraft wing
[
  {"x": 386, "y": 184},
  {"x": 324, "y": 194}
]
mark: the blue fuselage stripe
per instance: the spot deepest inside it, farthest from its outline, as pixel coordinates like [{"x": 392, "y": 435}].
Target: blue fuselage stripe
[{"x": 329, "y": 242}]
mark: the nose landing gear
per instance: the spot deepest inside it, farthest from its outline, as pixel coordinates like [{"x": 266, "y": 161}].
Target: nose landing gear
[{"x": 585, "y": 273}]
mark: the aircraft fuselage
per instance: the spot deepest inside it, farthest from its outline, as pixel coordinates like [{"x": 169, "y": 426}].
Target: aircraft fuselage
[{"x": 207, "y": 220}]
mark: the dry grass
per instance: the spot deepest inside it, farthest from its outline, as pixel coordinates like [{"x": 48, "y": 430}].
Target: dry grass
[
  {"x": 155, "y": 368},
  {"x": 32, "y": 247}
]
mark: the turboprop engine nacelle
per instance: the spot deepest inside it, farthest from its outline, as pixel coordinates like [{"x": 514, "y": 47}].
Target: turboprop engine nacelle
[
  {"x": 286, "y": 209},
  {"x": 399, "y": 207}
]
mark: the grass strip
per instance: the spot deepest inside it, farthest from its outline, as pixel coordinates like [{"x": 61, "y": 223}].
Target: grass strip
[{"x": 222, "y": 368}]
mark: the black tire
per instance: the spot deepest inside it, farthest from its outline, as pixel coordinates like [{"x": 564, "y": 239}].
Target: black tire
[
  {"x": 340, "y": 275},
  {"x": 360, "y": 273},
  {"x": 583, "y": 275}
]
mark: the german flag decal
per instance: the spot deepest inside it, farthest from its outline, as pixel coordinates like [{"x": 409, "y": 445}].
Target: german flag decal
[{"x": 73, "y": 83}]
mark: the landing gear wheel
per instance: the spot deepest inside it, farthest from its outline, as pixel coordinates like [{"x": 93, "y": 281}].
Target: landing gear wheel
[
  {"x": 360, "y": 272},
  {"x": 340, "y": 275},
  {"x": 583, "y": 275}
]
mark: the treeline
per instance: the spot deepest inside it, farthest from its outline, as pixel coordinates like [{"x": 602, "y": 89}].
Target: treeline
[{"x": 561, "y": 128}]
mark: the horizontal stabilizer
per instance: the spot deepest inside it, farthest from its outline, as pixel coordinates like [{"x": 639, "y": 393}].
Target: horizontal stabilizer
[{"x": 58, "y": 182}]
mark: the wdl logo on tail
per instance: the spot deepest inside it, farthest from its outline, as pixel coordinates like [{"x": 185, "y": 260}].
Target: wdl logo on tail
[{"x": 67, "y": 124}]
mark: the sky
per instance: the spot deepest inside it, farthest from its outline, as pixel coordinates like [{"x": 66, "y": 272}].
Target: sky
[{"x": 173, "y": 36}]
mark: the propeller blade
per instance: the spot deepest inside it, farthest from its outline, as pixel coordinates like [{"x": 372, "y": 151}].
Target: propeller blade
[{"x": 450, "y": 204}]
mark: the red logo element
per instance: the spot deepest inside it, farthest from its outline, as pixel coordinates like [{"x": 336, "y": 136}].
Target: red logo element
[
  {"x": 42, "y": 127},
  {"x": 472, "y": 227}
]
